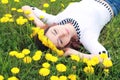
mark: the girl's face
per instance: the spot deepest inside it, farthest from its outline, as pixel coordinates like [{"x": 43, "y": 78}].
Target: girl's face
[{"x": 59, "y": 35}]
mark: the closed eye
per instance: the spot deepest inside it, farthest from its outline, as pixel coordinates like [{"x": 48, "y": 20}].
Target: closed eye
[{"x": 55, "y": 31}]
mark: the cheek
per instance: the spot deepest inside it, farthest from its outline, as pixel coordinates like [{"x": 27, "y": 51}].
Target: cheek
[{"x": 66, "y": 40}]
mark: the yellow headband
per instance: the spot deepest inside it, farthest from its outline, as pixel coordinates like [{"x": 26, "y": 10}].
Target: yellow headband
[{"x": 45, "y": 41}]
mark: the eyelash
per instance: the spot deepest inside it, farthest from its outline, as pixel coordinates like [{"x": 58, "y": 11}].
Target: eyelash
[
  {"x": 55, "y": 31},
  {"x": 59, "y": 39}
]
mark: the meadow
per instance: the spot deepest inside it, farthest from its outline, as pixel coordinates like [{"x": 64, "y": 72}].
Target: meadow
[{"x": 20, "y": 59}]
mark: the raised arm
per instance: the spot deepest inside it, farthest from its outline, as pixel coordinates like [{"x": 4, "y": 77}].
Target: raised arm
[{"x": 37, "y": 21}]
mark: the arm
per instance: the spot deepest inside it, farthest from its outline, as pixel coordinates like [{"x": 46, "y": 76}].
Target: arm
[
  {"x": 37, "y": 21},
  {"x": 70, "y": 51},
  {"x": 48, "y": 18}
]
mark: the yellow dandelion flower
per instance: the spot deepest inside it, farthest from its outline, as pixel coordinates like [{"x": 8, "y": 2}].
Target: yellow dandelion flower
[
  {"x": 75, "y": 57},
  {"x": 31, "y": 18},
  {"x": 44, "y": 10},
  {"x": 41, "y": 17},
  {"x": 27, "y": 59},
  {"x": 48, "y": 56},
  {"x": 59, "y": 52},
  {"x": 20, "y": 20},
  {"x": 11, "y": 20},
  {"x": 19, "y": 10},
  {"x": 106, "y": 71},
  {"x": 4, "y": 1},
  {"x": 52, "y": 0},
  {"x": 8, "y": 15},
  {"x": 27, "y": 12},
  {"x": 62, "y": 78},
  {"x": 4, "y": 19},
  {"x": 16, "y": 0},
  {"x": 54, "y": 78},
  {"x": 13, "y": 78},
  {"x": 61, "y": 67},
  {"x": 13, "y": 9},
  {"x": 44, "y": 71},
  {"x": 20, "y": 55},
  {"x": 15, "y": 70},
  {"x": 103, "y": 56},
  {"x": 72, "y": 77},
  {"x": 46, "y": 65},
  {"x": 95, "y": 60},
  {"x": 36, "y": 58},
  {"x": 39, "y": 53},
  {"x": 89, "y": 69},
  {"x": 1, "y": 77},
  {"x": 85, "y": 60},
  {"x": 13, "y": 53},
  {"x": 62, "y": 5},
  {"x": 26, "y": 51},
  {"x": 107, "y": 63},
  {"x": 54, "y": 59},
  {"x": 45, "y": 5}
]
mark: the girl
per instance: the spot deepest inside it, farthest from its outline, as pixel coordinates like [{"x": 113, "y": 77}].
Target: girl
[{"x": 80, "y": 21}]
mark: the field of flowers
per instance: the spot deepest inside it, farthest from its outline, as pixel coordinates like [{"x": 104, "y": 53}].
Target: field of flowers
[{"x": 21, "y": 60}]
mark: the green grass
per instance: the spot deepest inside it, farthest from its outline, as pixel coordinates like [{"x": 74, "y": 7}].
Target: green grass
[{"x": 16, "y": 37}]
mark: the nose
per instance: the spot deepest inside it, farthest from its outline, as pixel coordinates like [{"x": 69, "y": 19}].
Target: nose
[{"x": 61, "y": 35}]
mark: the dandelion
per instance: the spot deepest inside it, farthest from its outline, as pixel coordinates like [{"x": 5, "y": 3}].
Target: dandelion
[
  {"x": 62, "y": 78},
  {"x": 54, "y": 59},
  {"x": 75, "y": 57},
  {"x": 107, "y": 63},
  {"x": 27, "y": 59},
  {"x": 4, "y": 19},
  {"x": 89, "y": 69},
  {"x": 106, "y": 71},
  {"x": 20, "y": 20},
  {"x": 37, "y": 55},
  {"x": 8, "y": 15},
  {"x": 41, "y": 17},
  {"x": 46, "y": 65},
  {"x": 54, "y": 78},
  {"x": 31, "y": 18},
  {"x": 44, "y": 10},
  {"x": 27, "y": 12},
  {"x": 13, "y": 9},
  {"x": 48, "y": 56},
  {"x": 19, "y": 10},
  {"x": 72, "y": 77},
  {"x": 61, "y": 67},
  {"x": 13, "y": 78},
  {"x": 45, "y": 5},
  {"x": 19, "y": 55},
  {"x": 103, "y": 56},
  {"x": 62, "y": 5},
  {"x": 52, "y": 0},
  {"x": 11, "y": 20},
  {"x": 15, "y": 70},
  {"x": 26, "y": 51},
  {"x": 16, "y": 0},
  {"x": 44, "y": 71},
  {"x": 4, "y": 1},
  {"x": 13, "y": 53},
  {"x": 1, "y": 77}
]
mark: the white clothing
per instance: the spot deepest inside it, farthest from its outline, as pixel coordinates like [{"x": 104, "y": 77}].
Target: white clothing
[{"x": 91, "y": 17}]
